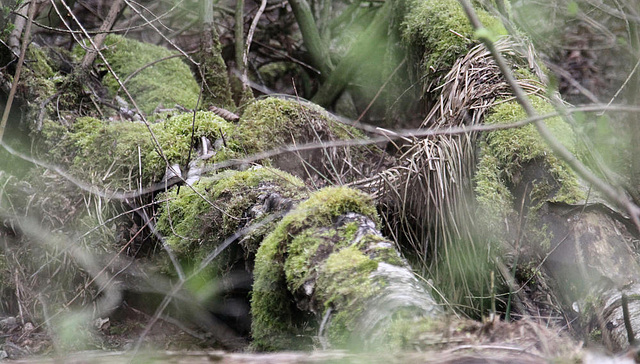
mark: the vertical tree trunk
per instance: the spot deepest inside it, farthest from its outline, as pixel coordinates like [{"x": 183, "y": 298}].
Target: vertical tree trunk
[{"x": 211, "y": 70}]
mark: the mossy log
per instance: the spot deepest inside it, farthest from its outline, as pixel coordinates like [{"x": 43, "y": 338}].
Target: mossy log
[
  {"x": 326, "y": 272},
  {"x": 526, "y": 198}
]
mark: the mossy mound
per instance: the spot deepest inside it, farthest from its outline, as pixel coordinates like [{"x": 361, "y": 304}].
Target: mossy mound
[
  {"x": 271, "y": 123},
  {"x": 167, "y": 82},
  {"x": 439, "y": 31},
  {"x": 505, "y": 153},
  {"x": 109, "y": 153},
  {"x": 309, "y": 235}
]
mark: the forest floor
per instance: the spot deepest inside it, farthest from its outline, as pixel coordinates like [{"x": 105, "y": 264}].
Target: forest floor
[{"x": 594, "y": 71}]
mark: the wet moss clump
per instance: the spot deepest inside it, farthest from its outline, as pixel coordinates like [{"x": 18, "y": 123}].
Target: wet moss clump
[
  {"x": 109, "y": 153},
  {"x": 166, "y": 83}
]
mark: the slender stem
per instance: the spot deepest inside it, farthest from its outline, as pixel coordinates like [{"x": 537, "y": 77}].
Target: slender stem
[
  {"x": 245, "y": 55},
  {"x": 90, "y": 56},
  {"x": 239, "y": 37},
  {"x": 311, "y": 36}
]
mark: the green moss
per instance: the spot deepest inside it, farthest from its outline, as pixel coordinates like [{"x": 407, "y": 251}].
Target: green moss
[
  {"x": 276, "y": 322},
  {"x": 440, "y": 29},
  {"x": 339, "y": 269},
  {"x": 274, "y": 122},
  {"x": 38, "y": 62},
  {"x": 300, "y": 265},
  {"x": 381, "y": 250},
  {"x": 403, "y": 333},
  {"x": 505, "y": 152},
  {"x": 193, "y": 226},
  {"x": 108, "y": 153},
  {"x": 345, "y": 285},
  {"x": 166, "y": 83},
  {"x": 216, "y": 88},
  {"x": 38, "y": 80},
  {"x": 273, "y": 312}
]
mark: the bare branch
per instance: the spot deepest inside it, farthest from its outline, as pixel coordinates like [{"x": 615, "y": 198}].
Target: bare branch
[{"x": 90, "y": 56}]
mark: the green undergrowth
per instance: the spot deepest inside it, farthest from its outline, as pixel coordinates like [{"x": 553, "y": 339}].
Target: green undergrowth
[
  {"x": 166, "y": 83},
  {"x": 110, "y": 153},
  {"x": 463, "y": 276}
]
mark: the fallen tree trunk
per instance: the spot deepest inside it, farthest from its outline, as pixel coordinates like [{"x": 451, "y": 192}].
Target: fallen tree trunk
[{"x": 326, "y": 267}]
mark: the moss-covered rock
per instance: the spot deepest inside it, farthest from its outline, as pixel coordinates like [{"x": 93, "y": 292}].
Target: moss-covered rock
[
  {"x": 109, "y": 153},
  {"x": 194, "y": 225},
  {"x": 167, "y": 82}
]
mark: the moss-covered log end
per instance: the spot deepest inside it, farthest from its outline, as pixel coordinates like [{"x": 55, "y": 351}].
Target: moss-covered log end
[
  {"x": 327, "y": 262},
  {"x": 286, "y": 253}
]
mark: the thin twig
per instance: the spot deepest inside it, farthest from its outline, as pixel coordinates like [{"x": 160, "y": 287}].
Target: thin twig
[{"x": 245, "y": 55}]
